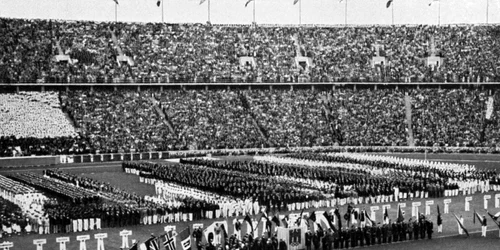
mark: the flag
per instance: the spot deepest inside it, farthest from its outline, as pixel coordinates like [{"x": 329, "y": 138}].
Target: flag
[
  {"x": 400, "y": 218},
  {"x": 285, "y": 221},
  {"x": 295, "y": 2},
  {"x": 439, "y": 219},
  {"x": 116, "y": 1},
  {"x": 249, "y": 221},
  {"x": 494, "y": 218},
  {"x": 134, "y": 247},
  {"x": 461, "y": 225},
  {"x": 248, "y": 1},
  {"x": 369, "y": 219},
  {"x": 386, "y": 216},
  {"x": 313, "y": 216},
  {"x": 329, "y": 222},
  {"x": 433, "y": 1},
  {"x": 276, "y": 220},
  {"x": 224, "y": 230},
  {"x": 337, "y": 213},
  {"x": 340, "y": 1},
  {"x": 202, "y": 1},
  {"x": 300, "y": 218},
  {"x": 268, "y": 223},
  {"x": 168, "y": 241},
  {"x": 185, "y": 238},
  {"x": 158, "y": 3},
  {"x": 152, "y": 244},
  {"x": 478, "y": 217},
  {"x": 388, "y": 4}
]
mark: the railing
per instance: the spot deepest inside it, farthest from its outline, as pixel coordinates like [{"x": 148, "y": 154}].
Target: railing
[
  {"x": 257, "y": 84},
  {"x": 117, "y": 157}
]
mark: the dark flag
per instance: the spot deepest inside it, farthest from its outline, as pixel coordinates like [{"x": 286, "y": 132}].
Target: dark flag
[
  {"x": 158, "y": 3},
  {"x": 276, "y": 220},
  {"x": 300, "y": 218},
  {"x": 248, "y": 1},
  {"x": 337, "y": 213},
  {"x": 327, "y": 216},
  {"x": 388, "y": 4},
  {"x": 313, "y": 216},
  {"x": 369, "y": 219},
  {"x": 152, "y": 244},
  {"x": 439, "y": 219},
  {"x": 247, "y": 219},
  {"x": 478, "y": 217},
  {"x": 295, "y": 2},
  {"x": 185, "y": 238},
  {"x": 386, "y": 216},
  {"x": 400, "y": 218},
  {"x": 116, "y": 1},
  {"x": 135, "y": 246},
  {"x": 223, "y": 230},
  {"x": 461, "y": 225},
  {"x": 285, "y": 221},
  {"x": 494, "y": 218}
]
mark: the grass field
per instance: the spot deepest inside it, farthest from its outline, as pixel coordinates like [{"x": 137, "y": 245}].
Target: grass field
[{"x": 112, "y": 173}]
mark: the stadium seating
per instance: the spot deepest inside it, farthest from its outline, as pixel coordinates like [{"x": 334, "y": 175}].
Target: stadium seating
[
  {"x": 126, "y": 121},
  {"x": 206, "y": 53}
]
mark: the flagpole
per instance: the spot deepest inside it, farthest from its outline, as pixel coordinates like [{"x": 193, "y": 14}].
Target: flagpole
[
  {"x": 208, "y": 9},
  {"x": 345, "y": 15},
  {"x": 439, "y": 13},
  {"x": 116, "y": 12},
  {"x": 487, "y": 10},
  {"x": 392, "y": 6},
  {"x": 162, "y": 15},
  {"x": 300, "y": 12},
  {"x": 254, "y": 11}
]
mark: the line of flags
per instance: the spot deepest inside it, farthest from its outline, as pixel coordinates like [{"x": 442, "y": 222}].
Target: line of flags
[
  {"x": 167, "y": 240},
  {"x": 389, "y": 2}
]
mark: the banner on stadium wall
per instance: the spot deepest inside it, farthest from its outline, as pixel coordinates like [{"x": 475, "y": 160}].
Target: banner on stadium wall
[{"x": 294, "y": 237}]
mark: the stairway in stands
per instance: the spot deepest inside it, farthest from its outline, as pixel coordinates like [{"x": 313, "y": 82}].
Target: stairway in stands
[
  {"x": 260, "y": 128},
  {"x": 162, "y": 114},
  {"x": 411, "y": 141},
  {"x": 296, "y": 42},
  {"x": 120, "y": 53}
]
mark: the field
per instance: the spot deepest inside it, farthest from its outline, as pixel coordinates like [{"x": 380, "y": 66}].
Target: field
[{"x": 112, "y": 173}]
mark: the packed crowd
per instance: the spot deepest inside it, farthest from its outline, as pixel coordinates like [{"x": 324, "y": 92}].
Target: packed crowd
[
  {"x": 210, "y": 119},
  {"x": 33, "y": 123},
  {"x": 127, "y": 121},
  {"x": 166, "y": 52},
  {"x": 454, "y": 117},
  {"x": 118, "y": 122}
]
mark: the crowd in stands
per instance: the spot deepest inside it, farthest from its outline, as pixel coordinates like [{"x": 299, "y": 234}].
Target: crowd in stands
[
  {"x": 454, "y": 117},
  {"x": 210, "y": 53},
  {"x": 33, "y": 123},
  {"x": 117, "y": 122},
  {"x": 124, "y": 121},
  {"x": 212, "y": 119}
]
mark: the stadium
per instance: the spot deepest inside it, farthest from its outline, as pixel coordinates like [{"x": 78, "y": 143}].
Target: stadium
[{"x": 249, "y": 124}]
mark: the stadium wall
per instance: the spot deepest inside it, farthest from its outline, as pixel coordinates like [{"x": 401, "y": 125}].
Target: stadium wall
[
  {"x": 145, "y": 156},
  {"x": 30, "y": 161}
]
